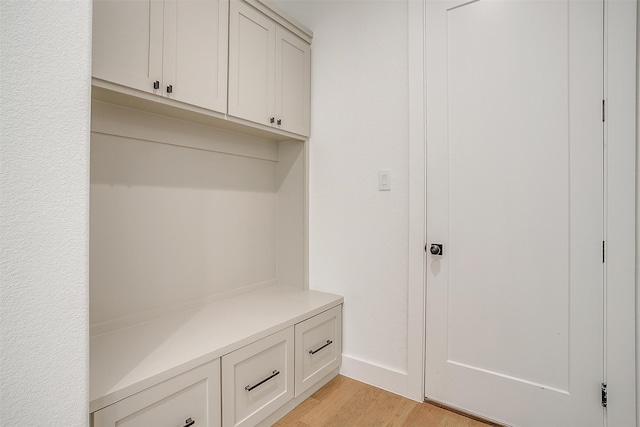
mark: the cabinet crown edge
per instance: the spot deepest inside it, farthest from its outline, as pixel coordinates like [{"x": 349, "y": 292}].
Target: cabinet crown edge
[{"x": 269, "y": 8}]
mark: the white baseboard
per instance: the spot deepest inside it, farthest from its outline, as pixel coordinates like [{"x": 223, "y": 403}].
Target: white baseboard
[
  {"x": 375, "y": 375},
  {"x": 360, "y": 370}
]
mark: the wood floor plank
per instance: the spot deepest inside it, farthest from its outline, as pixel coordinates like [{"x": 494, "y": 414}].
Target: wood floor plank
[
  {"x": 353, "y": 408},
  {"x": 399, "y": 416},
  {"x": 293, "y": 418},
  {"x": 295, "y": 424},
  {"x": 330, "y": 387},
  {"x": 380, "y": 411},
  {"x": 462, "y": 419},
  {"x": 345, "y": 402},
  {"x": 426, "y": 416},
  {"x": 332, "y": 402}
]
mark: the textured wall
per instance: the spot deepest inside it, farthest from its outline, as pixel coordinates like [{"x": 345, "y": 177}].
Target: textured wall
[
  {"x": 44, "y": 159},
  {"x": 358, "y": 237}
]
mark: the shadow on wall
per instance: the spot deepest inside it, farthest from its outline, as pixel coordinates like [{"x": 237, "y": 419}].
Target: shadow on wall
[
  {"x": 171, "y": 224},
  {"x": 129, "y": 162}
]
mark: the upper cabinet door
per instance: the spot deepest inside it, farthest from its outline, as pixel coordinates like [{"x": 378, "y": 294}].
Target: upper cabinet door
[
  {"x": 127, "y": 42},
  {"x": 225, "y": 56},
  {"x": 195, "y": 52},
  {"x": 251, "y": 64},
  {"x": 293, "y": 82}
]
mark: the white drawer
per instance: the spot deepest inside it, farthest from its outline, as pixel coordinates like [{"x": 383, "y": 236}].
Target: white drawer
[
  {"x": 193, "y": 396},
  {"x": 318, "y": 347},
  {"x": 257, "y": 379}
]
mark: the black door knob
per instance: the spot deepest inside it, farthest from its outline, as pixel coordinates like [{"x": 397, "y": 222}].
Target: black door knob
[{"x": 436, "y": 249}]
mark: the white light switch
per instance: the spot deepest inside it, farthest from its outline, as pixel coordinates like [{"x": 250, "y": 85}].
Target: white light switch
[{"x": 384, "y": 180}]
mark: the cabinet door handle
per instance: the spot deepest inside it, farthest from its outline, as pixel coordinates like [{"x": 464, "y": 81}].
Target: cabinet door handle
[
  {"x": 170, "y": 89},
  {"x": 272, "y": 120},
  {"x": 279, "y": 122},
  {"x": 273, "y": 374},
  {"x": 329, "y": 342},
  {"x": 189, "y": 422},
  {"x": 156, "y": 84}
]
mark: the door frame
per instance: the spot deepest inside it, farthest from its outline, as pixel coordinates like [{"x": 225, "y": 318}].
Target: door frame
[{"x": 621, "y": 291}]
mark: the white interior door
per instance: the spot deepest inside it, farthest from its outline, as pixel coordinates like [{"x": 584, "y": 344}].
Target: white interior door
[{"x": 514, "y": 315}]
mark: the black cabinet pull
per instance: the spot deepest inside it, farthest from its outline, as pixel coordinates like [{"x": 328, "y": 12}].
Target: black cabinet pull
[
  {"x": 156, "y": 84},
  {"x": 272, "y": 120},
  {"x": 170, "y": 89},
  {"x": 189, "y": 422},
  {"x": 329, "y": 342},
  {"x": 273, "y": 374},
  {"x": 279, "y": 122}
]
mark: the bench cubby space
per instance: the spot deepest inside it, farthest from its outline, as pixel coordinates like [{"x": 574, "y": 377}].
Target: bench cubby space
[{"x": 198, "y": 251}]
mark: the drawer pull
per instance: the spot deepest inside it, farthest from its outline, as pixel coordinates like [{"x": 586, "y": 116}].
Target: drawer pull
[
  {"x": 189, "y": 422},
  {"x": 273, "y": 374},
  {"x": 329, "y": 342}
]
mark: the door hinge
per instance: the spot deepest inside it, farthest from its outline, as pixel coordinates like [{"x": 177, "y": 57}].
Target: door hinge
[
  {"x": 604, "y": 395},
  {"x": 603, "y": 111},
  {"x": 603, "y": 251}
]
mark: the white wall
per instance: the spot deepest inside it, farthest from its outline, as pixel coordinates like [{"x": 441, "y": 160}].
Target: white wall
[
  {"x": 354, "y": 44},
  {"x": 358, "y": 236},
  {"x": 44, "y": 159}
]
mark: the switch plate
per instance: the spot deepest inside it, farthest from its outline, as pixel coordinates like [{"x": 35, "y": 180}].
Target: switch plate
[{"x": 384, "y": 180}]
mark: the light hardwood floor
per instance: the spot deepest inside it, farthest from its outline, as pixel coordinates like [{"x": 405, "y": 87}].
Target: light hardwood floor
[{"x": 345, "y": 402}]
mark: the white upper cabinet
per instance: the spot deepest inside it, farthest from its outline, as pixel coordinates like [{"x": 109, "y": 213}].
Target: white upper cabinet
[
  {"x": 252, "y": 43},
  {"x": 127, "y": 42},
  {"x": 172, "y": 48},
  {"x": 293, "y": 82},
  {"x": 235, "y": 57},
  {"x": 269, "y": 71},
  {"x": 195, "y": 52}
]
